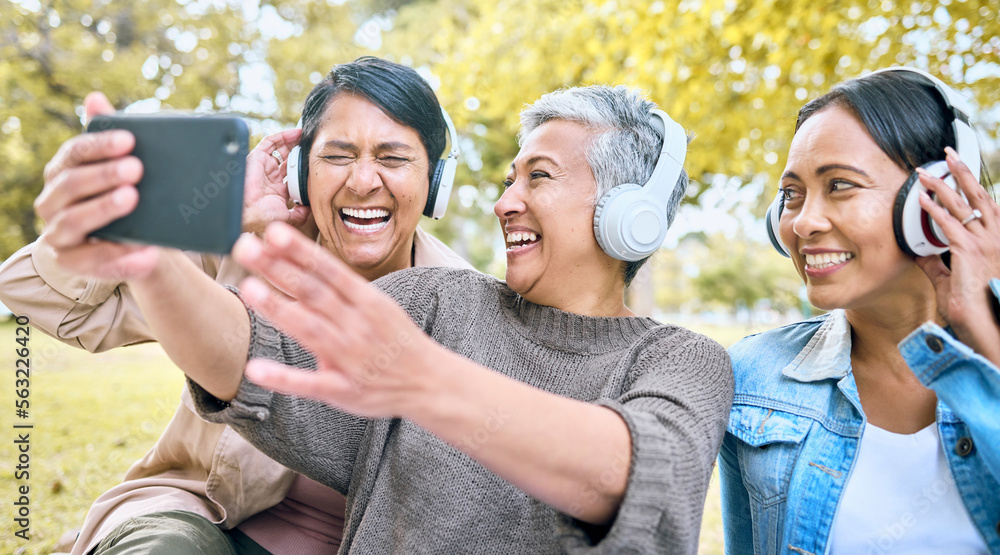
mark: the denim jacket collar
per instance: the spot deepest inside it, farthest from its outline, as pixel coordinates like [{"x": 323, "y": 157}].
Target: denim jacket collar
[{"x": 827, "y": 354}]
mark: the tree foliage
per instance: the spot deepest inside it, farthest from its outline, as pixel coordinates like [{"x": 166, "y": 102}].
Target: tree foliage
[
  {"x": 732, "y": 73},
  {"x": 51, "y": 55},
  {"x": 734, "y": 272}
]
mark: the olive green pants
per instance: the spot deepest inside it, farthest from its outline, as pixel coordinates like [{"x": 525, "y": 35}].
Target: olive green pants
[{"x": 175, "y": 533}]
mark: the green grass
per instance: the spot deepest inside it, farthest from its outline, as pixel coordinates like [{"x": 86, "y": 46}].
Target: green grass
[{"x": 94, "y": 415}]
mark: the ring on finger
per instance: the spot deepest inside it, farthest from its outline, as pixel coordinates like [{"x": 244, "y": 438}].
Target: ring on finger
[
  {"x": 975, "y": 215},
  {"x": 277, "y": 156}
]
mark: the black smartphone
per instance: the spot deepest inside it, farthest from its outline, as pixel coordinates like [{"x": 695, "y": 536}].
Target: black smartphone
[{"x": 191, "y": 192}]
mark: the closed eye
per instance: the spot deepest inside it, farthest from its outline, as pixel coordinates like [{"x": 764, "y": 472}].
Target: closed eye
[
  {"x": 394, "y": 161},
  {"x": 339, "y": 160}
]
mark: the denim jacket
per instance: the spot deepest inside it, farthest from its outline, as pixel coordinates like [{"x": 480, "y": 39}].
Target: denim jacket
[{"x": 796, "y": 425}]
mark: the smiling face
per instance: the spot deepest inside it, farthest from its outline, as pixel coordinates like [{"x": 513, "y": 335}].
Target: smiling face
[
  {"x": 547, "y": 217},
  {"x": 368, "y": 181},
  {"x": 839, "y": 189}
]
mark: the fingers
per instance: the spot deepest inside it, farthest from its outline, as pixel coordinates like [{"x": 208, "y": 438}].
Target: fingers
[
  {"x": 70, "y": 226},
  {"x": 307, "y": 322},
  {"x": 90, "y": 147},
  {"x": 976, "y": 194},
  {"x": 82, "y": 182},
  {"x": 298, "y": 216},
  {"x": 323, "y": 385},
  {"x": 318, "y": 269},
  {"x": 62, "y": 190},
  {"x": 282, "y": 141},
  {"x": 96, "y": 104},
  {"x": 934, "y": 267}
]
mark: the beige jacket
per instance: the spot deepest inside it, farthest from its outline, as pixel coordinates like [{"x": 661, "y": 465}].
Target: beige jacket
[{"x": 195, "y": 466}]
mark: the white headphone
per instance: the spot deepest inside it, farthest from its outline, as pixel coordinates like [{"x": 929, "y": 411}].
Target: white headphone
[
  {"x": 441, "y": 182},
  {"x": 916, "y": 233},
  {"x": 630, "y": 221}
]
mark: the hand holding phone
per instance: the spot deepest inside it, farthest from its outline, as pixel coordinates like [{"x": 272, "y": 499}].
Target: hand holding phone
[{"x": 191, "y": 191}]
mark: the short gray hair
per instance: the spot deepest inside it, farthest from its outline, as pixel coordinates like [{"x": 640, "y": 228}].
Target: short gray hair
[{"x": 625, "y": 145}]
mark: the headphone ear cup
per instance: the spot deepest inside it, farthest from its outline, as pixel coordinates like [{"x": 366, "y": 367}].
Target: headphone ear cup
[
  {"x": 439, "y": 190},
  {"x": 628, "y": 226},
  {"x": 771, "y": 222},
  {"x": 898, "y": 229},
  {"x": 296, "y": 174},
  {"x": 916, "y": 233}
]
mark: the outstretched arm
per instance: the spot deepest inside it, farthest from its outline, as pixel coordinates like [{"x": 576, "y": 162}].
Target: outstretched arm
[
  {"x": 575, "y": 456},
  {"x": 91, "y": 182},
  {"x": 345, "y": 321},
  {"x": 203, "y": 327}
]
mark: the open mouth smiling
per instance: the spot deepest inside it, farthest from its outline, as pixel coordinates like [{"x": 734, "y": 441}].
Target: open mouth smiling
[
  {"x": 365, "y": 219},
  {"x": 827, "y": 260},
  {"x": 521, "y": 239}
]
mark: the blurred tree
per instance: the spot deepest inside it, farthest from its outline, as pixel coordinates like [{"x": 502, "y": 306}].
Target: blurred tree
[
  {"x": 734, "y": 272},
  {"x": 179, "y": 55},
  {"x": 734, "y": 73}
]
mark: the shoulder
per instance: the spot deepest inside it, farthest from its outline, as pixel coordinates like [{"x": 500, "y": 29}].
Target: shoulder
[
  {"x": 428, "y": 250},
  {"x": 678, "y": 347},
  {"x": 778, "y": 346},
  {"x": 436, "y": 281}
]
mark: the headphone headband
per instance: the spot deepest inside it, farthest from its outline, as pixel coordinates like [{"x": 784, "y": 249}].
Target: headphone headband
[
  {"x": 630, "y": 221},
  {"x": 453, "y": 151},
  {"x": 441, "y": 182},
  {"x": 672, "y": 153},
  {"x": 966, "y": 141}
]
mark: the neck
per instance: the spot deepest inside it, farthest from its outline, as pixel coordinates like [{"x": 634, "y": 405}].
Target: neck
[
  {"x": 396, "y": 261},
  {"x": 877, "y": 330},
  {"x": 597, "y": 296},
  {"x": 891, "y": 395}
]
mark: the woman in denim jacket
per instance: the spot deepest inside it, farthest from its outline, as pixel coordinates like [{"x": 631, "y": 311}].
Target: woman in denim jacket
[{"x": 874, "y": 428}]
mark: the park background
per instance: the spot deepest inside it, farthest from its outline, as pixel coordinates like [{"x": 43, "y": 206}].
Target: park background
[{"x": 733, "y": 73}]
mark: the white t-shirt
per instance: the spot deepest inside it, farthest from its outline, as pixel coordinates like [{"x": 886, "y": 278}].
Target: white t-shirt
[{"x": 901, "y": 498}]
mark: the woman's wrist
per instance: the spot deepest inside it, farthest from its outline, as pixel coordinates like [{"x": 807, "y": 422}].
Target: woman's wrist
[{"x": 432, "y": 395}]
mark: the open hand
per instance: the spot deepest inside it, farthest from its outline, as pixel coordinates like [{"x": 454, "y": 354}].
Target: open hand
[{"x": 372, "y": 359}]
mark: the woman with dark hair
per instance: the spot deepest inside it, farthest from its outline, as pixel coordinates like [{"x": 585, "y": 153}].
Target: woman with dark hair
[
  {"x": 872, "y": 428},
  {"x": 202, "y": 488}
]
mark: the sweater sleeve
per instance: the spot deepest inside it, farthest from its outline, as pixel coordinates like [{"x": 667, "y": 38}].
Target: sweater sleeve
[
  {"x": 676, "y": 402},
  {"x": 310, "y": 437}
]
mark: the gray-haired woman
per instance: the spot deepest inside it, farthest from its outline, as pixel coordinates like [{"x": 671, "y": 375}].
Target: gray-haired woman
[{"x": 532, "y": 415}]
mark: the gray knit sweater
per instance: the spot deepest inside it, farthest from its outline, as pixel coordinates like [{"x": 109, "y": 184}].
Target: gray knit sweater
[{"x": 410, "y": 492}]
